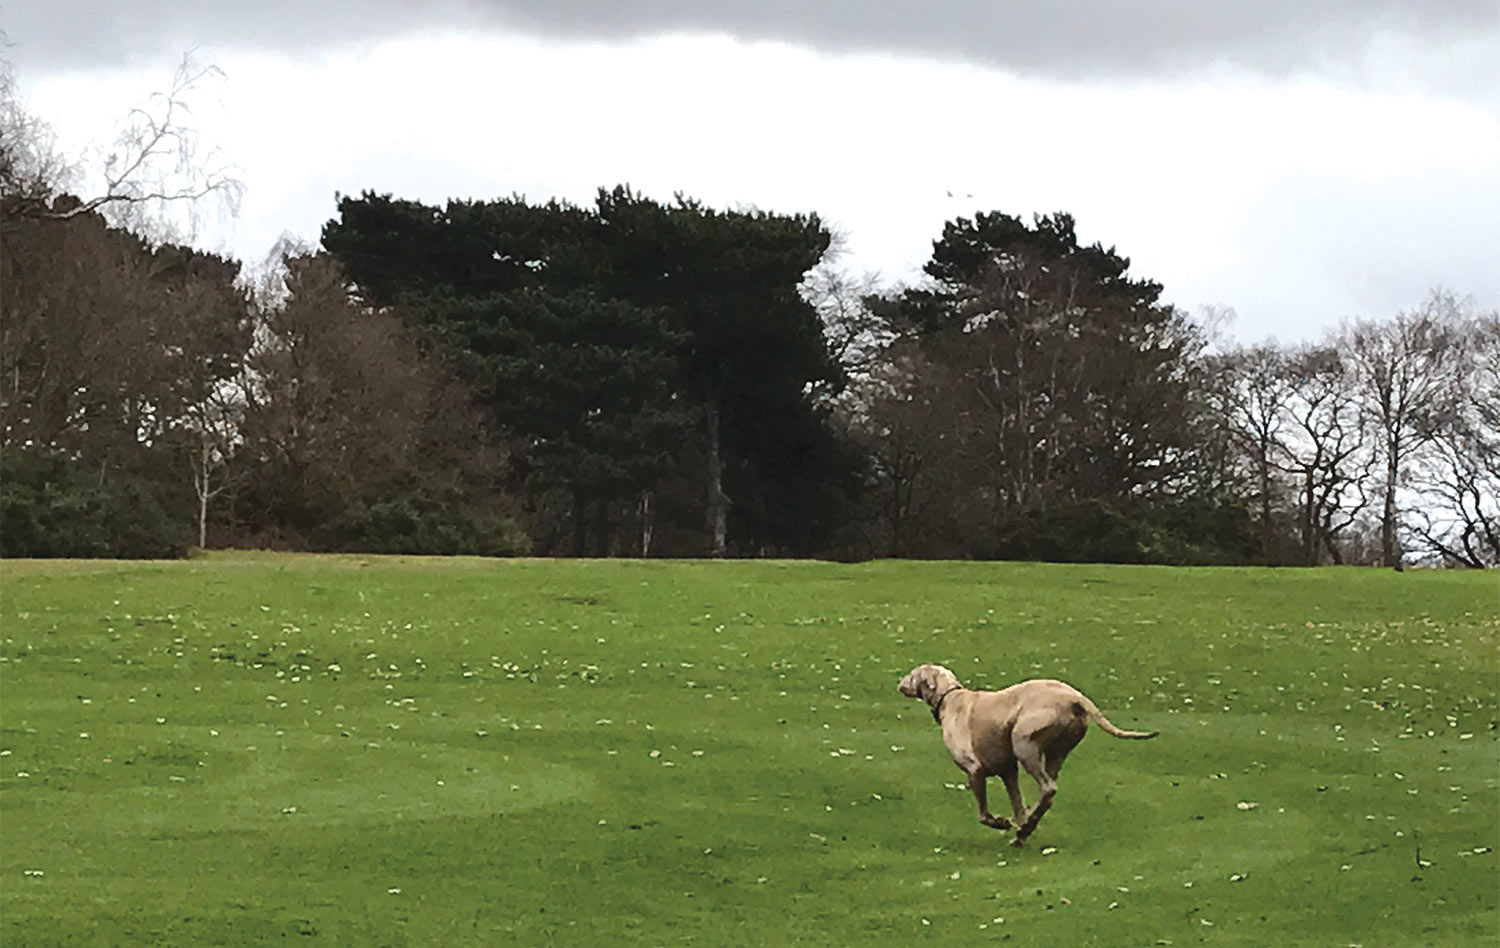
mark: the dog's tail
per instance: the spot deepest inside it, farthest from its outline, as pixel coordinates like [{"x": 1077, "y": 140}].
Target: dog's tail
[{"x": 1108, "y": 727}]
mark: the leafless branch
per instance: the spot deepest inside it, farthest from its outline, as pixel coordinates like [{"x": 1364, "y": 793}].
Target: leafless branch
[{"x": 156, "y": 162}]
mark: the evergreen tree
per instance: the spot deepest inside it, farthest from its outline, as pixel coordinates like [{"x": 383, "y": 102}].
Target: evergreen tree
[
  {"x": 1073, "y": 393},
  {"x": 753, "y": 351},
  {"x": 601, "y": 334},
  {"x": 583, "y": 381}
]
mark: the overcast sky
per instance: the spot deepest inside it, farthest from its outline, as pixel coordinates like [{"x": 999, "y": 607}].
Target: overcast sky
[{"x": 1297, "y": 160}]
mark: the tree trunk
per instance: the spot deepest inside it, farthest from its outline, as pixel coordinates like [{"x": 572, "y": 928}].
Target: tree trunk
[
  {"x": 718, "y": 504},
  {"x": 1334, "y": 555},
  {"x": 202, "y": 520},
  {"x": 580, "y": 523},
  {"x": 646, "y": 523},
  {"x": 898, "y": 540},
  {"x": 602, "y": 534},
  {"x": 1309, "y": 523},
  {"x": 200, "y": 484},
  {"x": 1267, "y": 551},
  {"x": 1388, "y": 554}
]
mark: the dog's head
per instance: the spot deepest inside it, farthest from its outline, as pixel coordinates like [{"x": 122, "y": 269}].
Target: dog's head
[{"x": 924, "y": 681}]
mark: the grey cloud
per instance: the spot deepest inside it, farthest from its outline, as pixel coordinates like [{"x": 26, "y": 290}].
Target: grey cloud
[{"x": 1045, "y": 38}]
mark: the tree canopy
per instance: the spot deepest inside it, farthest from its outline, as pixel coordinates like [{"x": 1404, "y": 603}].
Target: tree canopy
[
  {"x": 637, "y": 376},
  {"x": 630, "y": 346},
  {"x": 1074, "y": 409}
]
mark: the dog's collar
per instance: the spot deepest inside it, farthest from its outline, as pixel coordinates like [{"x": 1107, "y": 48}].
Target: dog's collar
[{"x": 938, "y": 707}]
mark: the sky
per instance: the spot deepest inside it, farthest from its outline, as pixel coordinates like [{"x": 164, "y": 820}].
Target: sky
[{"x": 1300, "y": 162}]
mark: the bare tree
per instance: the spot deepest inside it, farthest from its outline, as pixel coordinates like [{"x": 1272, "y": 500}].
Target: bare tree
[
  {"x": 1323, "y": 451},
  {"x": 1253, "y": 393},
  {"x": 214, "y": 423},
  {"x": 856, "y": 336},
  {"x": 109, "y": 348},
  {"x": 32, "y": 169},
  {"x": 1403, "y": 373},
  {"x": 107, "y": 331},
  {"x": 1456, "y": 481},
  {"x": 157, "y": 166},
  {"x": 346, "y": 413},
  {"x": 901, "y": 415}
]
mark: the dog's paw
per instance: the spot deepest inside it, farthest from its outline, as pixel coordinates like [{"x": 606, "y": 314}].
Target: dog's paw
[
  {"x": 1019, "y": 842},
  {"x": 995, "y": 822}
]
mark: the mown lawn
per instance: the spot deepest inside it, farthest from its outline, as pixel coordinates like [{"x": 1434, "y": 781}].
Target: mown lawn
[{"x": 242, "y": 749}]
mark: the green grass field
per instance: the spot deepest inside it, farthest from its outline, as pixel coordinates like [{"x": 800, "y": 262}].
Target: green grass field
[{"x": 250, "y": 749}]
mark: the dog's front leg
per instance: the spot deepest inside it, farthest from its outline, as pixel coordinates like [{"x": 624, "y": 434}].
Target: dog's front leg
[{"x": 981, "y": 797}]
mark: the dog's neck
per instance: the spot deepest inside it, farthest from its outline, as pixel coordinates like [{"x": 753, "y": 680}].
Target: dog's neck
[{"x": 937, "y": 706}]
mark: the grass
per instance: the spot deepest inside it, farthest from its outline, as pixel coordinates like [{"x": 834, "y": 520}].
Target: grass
[{"x": 368, "y": 751}]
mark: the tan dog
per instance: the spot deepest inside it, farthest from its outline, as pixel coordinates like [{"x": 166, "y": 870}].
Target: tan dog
[{"x": 990, "y": 733}]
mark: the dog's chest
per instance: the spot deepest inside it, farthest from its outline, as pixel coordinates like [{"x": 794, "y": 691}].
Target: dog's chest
[{"x": 977, "y": 741}]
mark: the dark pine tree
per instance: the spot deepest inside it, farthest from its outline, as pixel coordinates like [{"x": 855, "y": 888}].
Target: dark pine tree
[{"x": 753, "y": 350}]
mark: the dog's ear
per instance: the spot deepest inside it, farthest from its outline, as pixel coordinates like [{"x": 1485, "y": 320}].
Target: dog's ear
[
  {"x": 923, "y": 682},
  {"x": 939, "y": 678}
]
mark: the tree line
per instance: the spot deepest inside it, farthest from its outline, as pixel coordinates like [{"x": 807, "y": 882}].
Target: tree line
[{"x": 637, "y": 377}]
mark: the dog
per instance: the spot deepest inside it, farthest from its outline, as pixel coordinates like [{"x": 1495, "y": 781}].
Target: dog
[{"x": 1031, "y": 725}]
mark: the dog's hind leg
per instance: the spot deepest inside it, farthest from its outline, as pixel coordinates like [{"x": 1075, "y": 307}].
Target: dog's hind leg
[
  {"x": 981, "y": 797},
  {"x": 1031, "y": 757}
]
